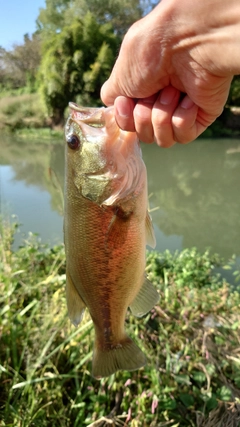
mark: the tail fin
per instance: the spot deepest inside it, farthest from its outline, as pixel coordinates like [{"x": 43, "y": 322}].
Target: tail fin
[{"x": 126, "y": 355}]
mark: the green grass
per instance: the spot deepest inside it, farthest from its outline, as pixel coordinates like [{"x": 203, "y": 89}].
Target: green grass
[
  {"x": 191, "y": 340},
  {"x": 40, "y": 133},
  {"x": 23, "y": 113},
  {"x": 19, "y": 111}
]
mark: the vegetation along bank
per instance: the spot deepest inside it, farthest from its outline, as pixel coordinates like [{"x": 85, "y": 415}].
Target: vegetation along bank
[{"x": 191, "y": 340}]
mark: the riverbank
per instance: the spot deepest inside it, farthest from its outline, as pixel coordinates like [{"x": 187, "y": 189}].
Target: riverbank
[
  {"x": 24, "y": 114},
  {"x": 191, "y": 340}
]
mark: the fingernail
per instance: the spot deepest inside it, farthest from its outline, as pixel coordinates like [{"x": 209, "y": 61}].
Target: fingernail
[
  {"x": 167, "y": 95},
  {"x": 187, "y": 103},
  {"x": 122, "y": 106}
]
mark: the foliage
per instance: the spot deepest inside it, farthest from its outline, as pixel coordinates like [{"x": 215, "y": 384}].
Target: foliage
[
  {"x": 21, "y": 111},
  {"x": 73, "y": 68},
  {"x": 76, "y": 61},
  {"x": 120, "y": 13},
  {"x": 191, "y": 339},
  {"x": 234, "y": 95},
  {"x": 51, "y": 18},
  {"x": 80, "y": 44},
  {"x": 19, "y": 66},
  {"x": 43, "y": 134}
]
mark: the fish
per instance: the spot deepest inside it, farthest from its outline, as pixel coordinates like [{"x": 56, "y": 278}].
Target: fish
[{"x": 106, "y": 229}]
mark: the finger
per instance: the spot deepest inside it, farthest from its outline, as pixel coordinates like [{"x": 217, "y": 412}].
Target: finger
[
  {"x": 104, "y": 95},
  {"x": 162, "y": 113},
  {"x": 186, "y": 123},
  {"x": 123, "y": 109},
  {"x": 143, "y": 118}
]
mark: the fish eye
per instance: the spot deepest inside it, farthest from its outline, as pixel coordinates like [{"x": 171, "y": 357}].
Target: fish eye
[{"x": 73, "y": 142}]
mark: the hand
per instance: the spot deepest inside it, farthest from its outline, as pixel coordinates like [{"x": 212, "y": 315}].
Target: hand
[{"x": 173, "y": 74}]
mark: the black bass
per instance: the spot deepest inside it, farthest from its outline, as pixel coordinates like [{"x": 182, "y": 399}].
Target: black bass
[{"x": 106, "y": 229}]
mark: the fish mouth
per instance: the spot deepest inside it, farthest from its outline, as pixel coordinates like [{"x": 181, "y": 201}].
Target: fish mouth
[{"x": 92, "y": 116}]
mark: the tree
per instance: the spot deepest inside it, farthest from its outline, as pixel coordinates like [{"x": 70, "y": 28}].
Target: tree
[
  {"x": 2, "y": 65},
  {"x": 51, "y": 19},
  {"x": 19, "y": 66},
  {"x": 75, "y": 64},
  {"x": 121, "y": 13}
]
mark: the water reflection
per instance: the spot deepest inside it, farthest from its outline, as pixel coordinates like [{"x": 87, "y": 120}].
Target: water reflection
[
  {"x": 196, "y": 188},
  {"x": 26, "y": 189}
]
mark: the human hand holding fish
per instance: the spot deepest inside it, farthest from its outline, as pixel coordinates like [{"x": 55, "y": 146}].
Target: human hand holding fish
[
  {"x": 172, "y": 77},
  {"x": 106, "y": 229}
]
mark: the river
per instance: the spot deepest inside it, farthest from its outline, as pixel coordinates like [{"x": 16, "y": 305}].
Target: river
[{"x": 194, "y": 192}]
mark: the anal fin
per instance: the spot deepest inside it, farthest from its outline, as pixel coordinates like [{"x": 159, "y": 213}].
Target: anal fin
[
  {"x": 75, "y": 303},
  {"x": 145, "y": 300}
]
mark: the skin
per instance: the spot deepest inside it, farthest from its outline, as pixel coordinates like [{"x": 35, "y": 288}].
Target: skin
[{"x": 174, "y": 70}]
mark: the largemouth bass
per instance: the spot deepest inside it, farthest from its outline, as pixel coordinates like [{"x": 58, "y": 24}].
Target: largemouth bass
[{"x": 106, "y": 229}]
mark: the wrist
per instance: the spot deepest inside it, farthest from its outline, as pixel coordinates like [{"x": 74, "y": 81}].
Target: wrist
[{"x": 208, "y": 31}]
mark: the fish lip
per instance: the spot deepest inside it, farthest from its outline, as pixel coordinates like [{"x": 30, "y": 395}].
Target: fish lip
[
  {"x": 89, "y": 115},
  {"x": 81, "y": 109}
]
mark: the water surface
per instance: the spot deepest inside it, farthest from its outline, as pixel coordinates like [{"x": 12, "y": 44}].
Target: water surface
[{"x": 194, "y": 190}]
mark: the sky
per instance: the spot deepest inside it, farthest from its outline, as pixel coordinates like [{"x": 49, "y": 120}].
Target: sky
[{"x": 17, "y": 17}]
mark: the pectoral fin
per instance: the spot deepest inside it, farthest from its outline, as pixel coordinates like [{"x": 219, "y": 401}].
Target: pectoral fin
[
  {"x": 145, "y": 300},
  {"x": 150, "y": 235},
  {"x": 75, "y": 303}
]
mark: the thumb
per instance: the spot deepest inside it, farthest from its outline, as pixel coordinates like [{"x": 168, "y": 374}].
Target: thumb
[
  {"x": 126, "y": 79},
  {"x": 118, "y": 82},
  {"x": 107, "y": 93}
]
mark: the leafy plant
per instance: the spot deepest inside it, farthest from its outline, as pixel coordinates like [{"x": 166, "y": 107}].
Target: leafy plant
[
  {"x": 191, "y": 339},
  {"x": 76, "y": 62}
]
